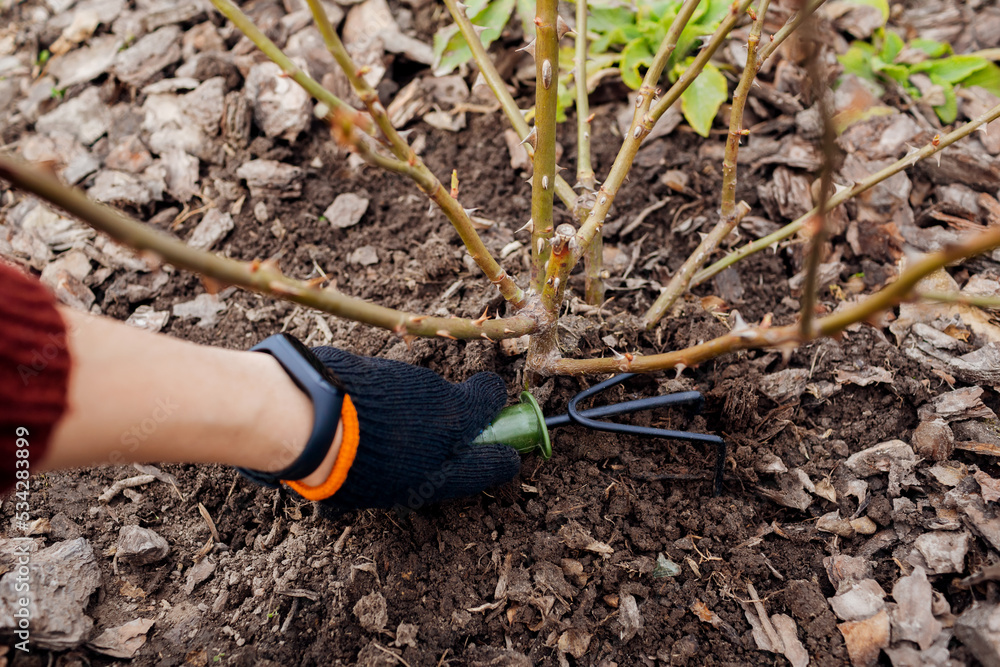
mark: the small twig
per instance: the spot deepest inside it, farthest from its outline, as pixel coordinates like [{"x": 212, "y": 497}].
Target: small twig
[
  {"x": 765, "y": 620},
  {"x": 164, "y": 477},
  {"x": 299, "y": 593},
  {"x": 821, "y": 225},
  {"x": 395, "y": 655},
  {"x": 338, "y": 546},
  {"x": 123, "y": 484},
  {"x": 211, "y": 524},
  {"x": 291, "y": 614},
  {"x": 643, "y": 214}
]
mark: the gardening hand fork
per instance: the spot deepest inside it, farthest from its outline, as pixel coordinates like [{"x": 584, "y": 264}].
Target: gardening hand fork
[{"x": 524, "y": 427}]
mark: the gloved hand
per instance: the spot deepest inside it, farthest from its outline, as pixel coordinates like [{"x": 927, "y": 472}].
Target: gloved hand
[
  {"x": 415, "y": 429},
  {"x": 406, "y": 431}
]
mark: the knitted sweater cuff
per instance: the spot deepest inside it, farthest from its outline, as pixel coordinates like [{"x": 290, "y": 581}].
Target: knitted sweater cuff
[{"x": 34, "y": 370}]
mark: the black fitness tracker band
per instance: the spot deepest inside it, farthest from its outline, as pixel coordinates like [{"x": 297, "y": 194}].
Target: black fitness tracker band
[{"x": 327, "y": 395}]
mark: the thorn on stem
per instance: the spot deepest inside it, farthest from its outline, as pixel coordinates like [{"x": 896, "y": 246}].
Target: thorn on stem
[
  {"x": 444, "y": 334},
  {"x": 528, "y": 48},
  {"x": 562, "y": 28},
  {"x": 531, "y": 138}
]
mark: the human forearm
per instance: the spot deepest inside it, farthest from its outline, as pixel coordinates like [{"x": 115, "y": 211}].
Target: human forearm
[{"x": 137, "y": 396}]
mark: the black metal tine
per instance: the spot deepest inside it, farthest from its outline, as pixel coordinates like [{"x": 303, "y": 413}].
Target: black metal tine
[
  {"x": 612, "y": 427},
  {"x": 628, "y": 407}
]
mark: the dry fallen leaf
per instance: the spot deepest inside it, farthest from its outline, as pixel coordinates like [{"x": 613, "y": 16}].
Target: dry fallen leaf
[
  {"x": 575, "y": 642},
  {"x": 913, "y": 619},
  {"x": 706, "y": 615},
  {"x": 123, "y": 641},
  {"x": 866, "y": 639}
]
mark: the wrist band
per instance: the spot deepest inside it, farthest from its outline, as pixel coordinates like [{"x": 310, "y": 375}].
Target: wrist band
[
  {"x": 327, "y": 395},
  {"x": 343, "y": 462}
]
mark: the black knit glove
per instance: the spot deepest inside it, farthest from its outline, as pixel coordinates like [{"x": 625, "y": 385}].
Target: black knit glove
[{"x": 415, "y": 429}]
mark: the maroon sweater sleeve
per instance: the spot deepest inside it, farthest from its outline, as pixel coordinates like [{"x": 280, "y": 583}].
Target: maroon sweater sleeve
[{"x": 34, "y": 370}]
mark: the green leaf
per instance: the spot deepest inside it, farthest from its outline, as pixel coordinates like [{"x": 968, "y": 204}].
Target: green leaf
[
  {"x": 654, "y": 32},
  {"x": 701, "y": 101},
  {"x": 606, "y": 19},
  {"x": 450, "y": 47},
  {"x": 892, "y": 44},
  {"x": 988, "y": 78},
  {"x": 450, "y": 50},
  {"x": 636, "y": 54},
  {"x": 857, "y": 60},
  {"x": 661, "y": 9},
  {"x": 953, "y": 68},
  {"x": 932, "y": 48},
  {"x": 565, "y": 98},
  {"x": 898, "y": 73},
  {"x": 715, "y": 11},
  {"x": 881, "y": 5},
  {"x": 948, "y": 111},
  {"x": 620, "y": 35}
]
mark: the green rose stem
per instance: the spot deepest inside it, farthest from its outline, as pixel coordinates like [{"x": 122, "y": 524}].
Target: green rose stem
[{"x": 593, "y": 264}]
